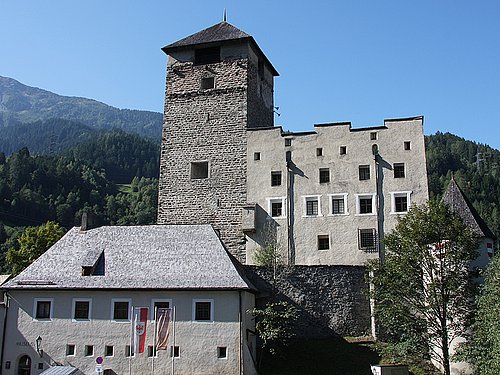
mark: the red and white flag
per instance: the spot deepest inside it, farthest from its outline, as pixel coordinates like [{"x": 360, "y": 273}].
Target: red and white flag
[
  {"x": 162, "y": 328},
  {"x": 139, "y": 328}
]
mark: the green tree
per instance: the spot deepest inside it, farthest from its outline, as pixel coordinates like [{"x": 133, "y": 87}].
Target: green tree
[
  {"x": 482, "y": 348},
  {"x": 423, "y": 291},
  {"x": 33, "y": 242}
]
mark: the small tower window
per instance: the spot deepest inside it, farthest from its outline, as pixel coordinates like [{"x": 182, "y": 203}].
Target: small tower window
[
  {"x": 207, "y": 83},
  {"x": 324, "y": 175},
  {"x": 288, "y": 142},
  {"x": 256, "y": 156},
  {"x": 199, "y": 170},
  {"x": 207, "y": 55},
  {"x": 319, "y": 151},
  {"x": 407, "y": 145},
  {"x": 323, "y": 242},
  {"x": 373, "y": 136},
  {"x": 343, "y": 150}
]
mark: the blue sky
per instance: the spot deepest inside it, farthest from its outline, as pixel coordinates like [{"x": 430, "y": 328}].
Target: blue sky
[{"x": 358, "y": 61}]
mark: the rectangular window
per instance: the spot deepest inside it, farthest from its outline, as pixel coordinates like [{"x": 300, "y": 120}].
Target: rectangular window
[
  {"x": 207, "y": 83},
  {"x": 319, "y": 151},
  {"x": 312, "y": 207},
  {"x": 120, "y": 309},
  {"x": 40, "y": 365},
  {"x": 43, "y": 310},
  {"x": 365, "y": 205},
  {"x": 288, "y": 142},
  {"x": 343, "y": 150},
  {"x": 199, "y": 170},
  {"x": 159, "y": 304},
  {"x": 208, "y": 55},
  {"x": 276, "y": 209},
  {"x": 339, "y": 204},
  {"x": 364, "y": 172},
  {"x": 128, "y": 351},
  {"x": 367, "y": 239},
  {"x": 256, "y": 156},
  {"x": 89, "y": 350},
  {"x": 324, "y": 175},
  {"x": 203, "y": 310},
  {"x": 151, "y": 351},
  {"x": 221, "y": 352},
  {"x": 276, "y": 178},
  {"x": 109, "y": 350},
  {"x": 81, "y": 309},
  {"x": 399, "y": 170},
  {"x": 323, "y": 242},
  {"x": 70, "y": 349},
  {"x": 400, "y": 201},
  {"x": 407, "y": 145},
  {"x": 373, "y": 136},
  {"x": 175, "y": 351}
]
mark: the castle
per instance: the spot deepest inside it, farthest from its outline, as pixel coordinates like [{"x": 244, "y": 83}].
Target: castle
[{"x": 323, "y": 197}]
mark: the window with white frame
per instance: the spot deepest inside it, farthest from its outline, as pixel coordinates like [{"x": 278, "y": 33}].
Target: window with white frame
[
  {"x": 338, "y": 204},
  {"x": 42, "y": 309},
  {"x": 120, "y": 309},
  {"x": 159, "y": 304},
  {"x": 400, "y": 201},
  {"x": 367, "y": 239},
  {"x": 276, "y": 207},
  {"x": 82, "y": 309},
  {"x": 323, "y": 242},
  {"x": 365, "y": 204},
  {"x": 203, "y": 310},
  {"x": 312, "y": 205}
]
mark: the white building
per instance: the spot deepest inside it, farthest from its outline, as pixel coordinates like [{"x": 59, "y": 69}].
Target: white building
[{"x": 76, "y": 300}]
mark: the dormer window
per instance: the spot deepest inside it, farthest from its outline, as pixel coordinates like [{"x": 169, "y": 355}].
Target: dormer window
[
  {"x": 208, "y": 55},
  {"x": 207, "y": 83}
]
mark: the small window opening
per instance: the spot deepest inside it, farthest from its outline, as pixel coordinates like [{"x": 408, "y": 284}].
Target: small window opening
[
  {"x": 256, "y": 156},
  {"x": 89, "y": 350},
  {"x": 108, "y": 350},
  {"x": 151, "y": 351},
  {"x": 288, "y": 142},
  {"x": 367, "y": 240},
  {"x": 128, "y": 351},
  {"x": 373, "y": 136},
  {"x": 276, "y": 178},
  {"x": 70, "y": 349},
  {"x": 319, "y": 151},
  {"x": 277, "y": 209},
  {"x": 208, "y": 55},
  {"x": 364, "y": 172},
  {"x": 399, "y": 170},
  {"x": 407, "y": 145},
  {"x": 324, "y": 175},
  {"x": 40, "y": 366},
  {"x": 343, "y": 150},
  {"x": 207, "y": 83},
  {"x": 221, "y": 352},
  {"x": 175, "y": 351},
  {"x": 199, "y": 170},
  {"x": 323, "y": 242}
]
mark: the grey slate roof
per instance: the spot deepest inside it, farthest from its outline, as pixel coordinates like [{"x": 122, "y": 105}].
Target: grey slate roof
[
  {"x": 458, "y": 202},
  {"x": 135, "y": 257},
  {"x": 220, "y": 32},
  {"x": 216, "y": 34}
]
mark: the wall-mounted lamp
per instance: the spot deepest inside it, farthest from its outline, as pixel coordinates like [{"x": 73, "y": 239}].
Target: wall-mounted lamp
[{"x": 39, "y": 346}]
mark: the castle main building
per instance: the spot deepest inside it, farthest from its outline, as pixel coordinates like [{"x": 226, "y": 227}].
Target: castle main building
[{"x": 323, "y": 197}]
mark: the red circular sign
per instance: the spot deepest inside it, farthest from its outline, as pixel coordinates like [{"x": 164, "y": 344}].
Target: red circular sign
[{"x": 99, "y": 360}]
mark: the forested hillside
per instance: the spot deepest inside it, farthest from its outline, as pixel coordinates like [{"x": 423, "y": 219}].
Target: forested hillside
[
  {"x": 475, "y": 167},
  {"x": 24, "y": 104}
]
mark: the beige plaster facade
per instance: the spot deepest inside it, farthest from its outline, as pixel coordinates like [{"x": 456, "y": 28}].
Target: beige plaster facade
[
  {"x": 323, "y": 168},
  {"x": 198, "y": 341}
]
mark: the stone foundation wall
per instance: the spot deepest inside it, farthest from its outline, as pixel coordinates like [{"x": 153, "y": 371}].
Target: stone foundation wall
[{"x": 332, "y": 300}]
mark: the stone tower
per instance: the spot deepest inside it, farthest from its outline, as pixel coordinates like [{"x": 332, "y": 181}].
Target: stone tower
[{"x": 219, "y": 84}]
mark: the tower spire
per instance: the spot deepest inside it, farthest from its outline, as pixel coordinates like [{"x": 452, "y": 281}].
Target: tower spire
[{"x": 224, "y": 17}]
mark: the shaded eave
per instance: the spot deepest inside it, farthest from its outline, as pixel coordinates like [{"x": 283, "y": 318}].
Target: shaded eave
[
  {"x": 173, "y": 48},
  {"x": 179, "y": 289}
]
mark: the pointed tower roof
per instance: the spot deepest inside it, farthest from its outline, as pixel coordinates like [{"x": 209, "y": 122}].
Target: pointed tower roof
[
  {"x": 458, "y": 202},
  {"x": 221, "y": 32}
]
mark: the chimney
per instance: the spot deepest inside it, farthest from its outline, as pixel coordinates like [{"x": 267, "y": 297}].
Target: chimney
[{"x": 89, "y": 221}]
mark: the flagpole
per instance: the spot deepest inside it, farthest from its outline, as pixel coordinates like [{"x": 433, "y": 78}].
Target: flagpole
[
  {"x": 131, "y": 340},
  {"x": 173, "y": 340},
  {"x": 154, "y": 342}
]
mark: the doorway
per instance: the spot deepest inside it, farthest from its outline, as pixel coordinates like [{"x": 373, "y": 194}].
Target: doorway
[{"x": 24, "y": 365}]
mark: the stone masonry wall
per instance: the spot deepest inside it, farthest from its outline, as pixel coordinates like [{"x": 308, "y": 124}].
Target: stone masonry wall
[{"x": 332, "y": 300}]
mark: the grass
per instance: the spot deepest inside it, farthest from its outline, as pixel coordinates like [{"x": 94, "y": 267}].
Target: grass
[{"x": 323, "y": 356}]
